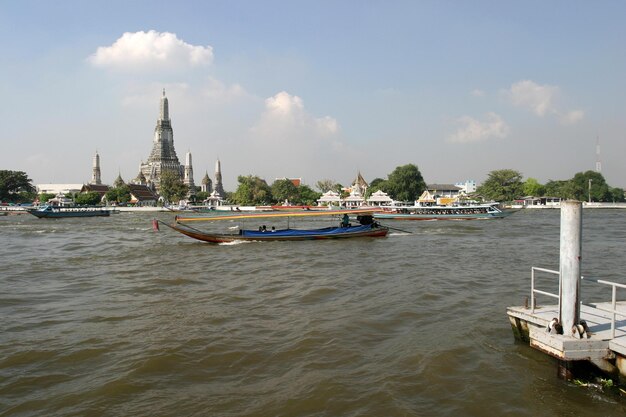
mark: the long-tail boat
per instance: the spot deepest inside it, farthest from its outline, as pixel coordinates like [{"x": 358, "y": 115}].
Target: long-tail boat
[{"x": 366, "y": 227}]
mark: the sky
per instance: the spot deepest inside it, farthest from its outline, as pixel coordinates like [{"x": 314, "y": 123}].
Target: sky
[{"x": 315, "y": 89}]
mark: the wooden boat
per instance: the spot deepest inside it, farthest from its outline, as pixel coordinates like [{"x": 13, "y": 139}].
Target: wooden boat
[
  {"x": 460, "y": 212},
  {"x": 367, "y": 227},
  {"x": 51, "y": 212}
]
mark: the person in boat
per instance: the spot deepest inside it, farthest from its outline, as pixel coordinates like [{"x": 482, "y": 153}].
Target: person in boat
[
  {"x": 345, "y": 221},
  {"x": 264, "y": 229},
  {"x": 365, "y": 220}
]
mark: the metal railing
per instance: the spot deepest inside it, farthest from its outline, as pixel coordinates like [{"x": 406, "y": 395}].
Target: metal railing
[
  {"x": 534, "y": 291},
  {"x": 614, "y": 286},
  {"x": 613, "y": 310}
]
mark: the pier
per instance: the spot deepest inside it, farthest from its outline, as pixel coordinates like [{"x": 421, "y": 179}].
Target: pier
[{"x": 602, "y": 340}]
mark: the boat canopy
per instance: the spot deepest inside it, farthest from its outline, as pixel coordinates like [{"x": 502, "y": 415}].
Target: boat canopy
[{"x": 269, "y": 215}]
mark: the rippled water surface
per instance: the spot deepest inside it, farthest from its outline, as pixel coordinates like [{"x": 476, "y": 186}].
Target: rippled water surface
[{"x": 104, "y": 317}]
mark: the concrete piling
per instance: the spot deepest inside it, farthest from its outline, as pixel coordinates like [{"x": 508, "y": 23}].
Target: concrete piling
[{"x": 569, "y": 264}]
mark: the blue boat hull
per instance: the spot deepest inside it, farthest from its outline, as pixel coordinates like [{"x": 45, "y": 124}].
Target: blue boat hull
[
  {"x": 58, "y": 213},
  {"x": 370, "y": 230}
]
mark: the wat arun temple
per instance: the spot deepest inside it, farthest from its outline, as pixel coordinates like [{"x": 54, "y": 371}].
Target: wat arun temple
[{"x": 163, "y": 158}]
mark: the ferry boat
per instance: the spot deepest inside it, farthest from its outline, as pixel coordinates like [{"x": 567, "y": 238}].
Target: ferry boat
[
  {"x": 55, "y": 212},
  {"x": 453, "y": 212}
]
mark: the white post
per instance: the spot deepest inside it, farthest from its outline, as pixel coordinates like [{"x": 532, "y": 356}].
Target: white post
[{"x": 570, "y": 259}]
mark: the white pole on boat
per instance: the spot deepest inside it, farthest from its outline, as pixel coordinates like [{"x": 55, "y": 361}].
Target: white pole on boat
[{"x": 569, "y": 265}]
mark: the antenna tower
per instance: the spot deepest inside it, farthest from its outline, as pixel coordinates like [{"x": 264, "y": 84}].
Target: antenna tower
[{"x": 598, "y": 162}]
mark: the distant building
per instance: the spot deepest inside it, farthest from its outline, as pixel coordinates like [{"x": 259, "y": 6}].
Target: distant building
[
  {"x": 214, "y": 199},
  {"x": 163, "y": 156},
  {"x": 294, "y": 181},
  {"x": 380, "y": 198},
  {"x": 142, "y": 195},
  {"x": 443, "y": 194},
  {"x": 140, "y": 179},
  {"x": 119, "y": 182},
  {"x": 58, "y": 188},
  {"x": 207, "y": 185},
  {"x": 98, "y": 188},
  {"x": 444, "y": 190},
  {"x": 329, "y": 198},
  {"x": 95, "y": 174},
  {"x": 467, "y": 186}
]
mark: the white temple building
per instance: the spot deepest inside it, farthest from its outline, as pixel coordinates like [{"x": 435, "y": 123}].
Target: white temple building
[
  {"x": 329, "y": 198},
  {"x": 380, "y": 198}
]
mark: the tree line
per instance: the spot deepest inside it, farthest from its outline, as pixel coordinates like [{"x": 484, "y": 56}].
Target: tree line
[
  {"x": 404, "y": 183},
  {"x": 508, "y": 185}
]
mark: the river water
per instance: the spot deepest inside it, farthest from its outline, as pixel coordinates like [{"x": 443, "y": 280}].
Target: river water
[{"x": 104, "y": 317}]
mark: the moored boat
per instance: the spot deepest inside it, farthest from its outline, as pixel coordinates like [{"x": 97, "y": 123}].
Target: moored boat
[
  {"x": 367, "y": 227},
  {"x": 455, "y": 212},
  {"x": 62, "y": 212}
]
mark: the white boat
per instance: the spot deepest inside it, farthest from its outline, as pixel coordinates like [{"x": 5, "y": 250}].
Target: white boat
[{"x": 453, "y": 212}]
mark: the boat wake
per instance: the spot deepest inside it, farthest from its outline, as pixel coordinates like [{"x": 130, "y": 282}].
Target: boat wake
[
  {"x": 235, "y": 242},
  {"x": 399, "y": 234}
]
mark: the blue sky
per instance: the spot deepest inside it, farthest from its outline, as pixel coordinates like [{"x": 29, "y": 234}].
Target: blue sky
[{"x": 317, "y": 90}]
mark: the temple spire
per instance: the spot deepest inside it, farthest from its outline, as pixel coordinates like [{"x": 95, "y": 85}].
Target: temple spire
[
  {"x": 219, "y": 188},
  {"x": 163, "y": 155},
  {"x": 165, "y": 112},
  {"x": 188, "y": 177},
  {"x": 95, "y": 173}
]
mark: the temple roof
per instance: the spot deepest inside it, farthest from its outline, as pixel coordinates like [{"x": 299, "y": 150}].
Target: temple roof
[
  {"x": 118, "y": 181},
  {"x": 142, "y": 192}
]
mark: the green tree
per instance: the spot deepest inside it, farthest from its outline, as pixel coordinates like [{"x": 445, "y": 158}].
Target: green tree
[
  {"x": 375, "y": 185},
  {"x": 285, "y": 190},
  {"x": 252, "y": 190},
  {"x": 617, "y": 195},
  {"x": 16, "y": 187},
  {"x": 171, "y": 187},
  {"x": 591, "y": 184},
  {"x": 119, "y": 194},
  {"x": 556, "y": 188},
  {"x": 502, "y": 185},
  {"x": 532, "y": 187},
  {"x": 90, "y": 198},
  {"x": 307, "y": 196},
  {"x": 405, "y": 183},
  {"x": 202, "y": 195},
  {"x": 44, "y": 197}
]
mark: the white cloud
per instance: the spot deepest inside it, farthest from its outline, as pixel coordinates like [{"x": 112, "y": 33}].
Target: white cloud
[
  {"x": 472, "y": 130},
  {"x": 477, "y": 92},
  {"x": 218, "y": 91},
  {"x": 285, "y": 117},
  {"x": 151, "y": 50},
  {"x": 287, "y": 140},
  {"x": 538, "y": 98},
  {"x": 572, "y": 117},
  {"x": 542, "y": 100}
]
